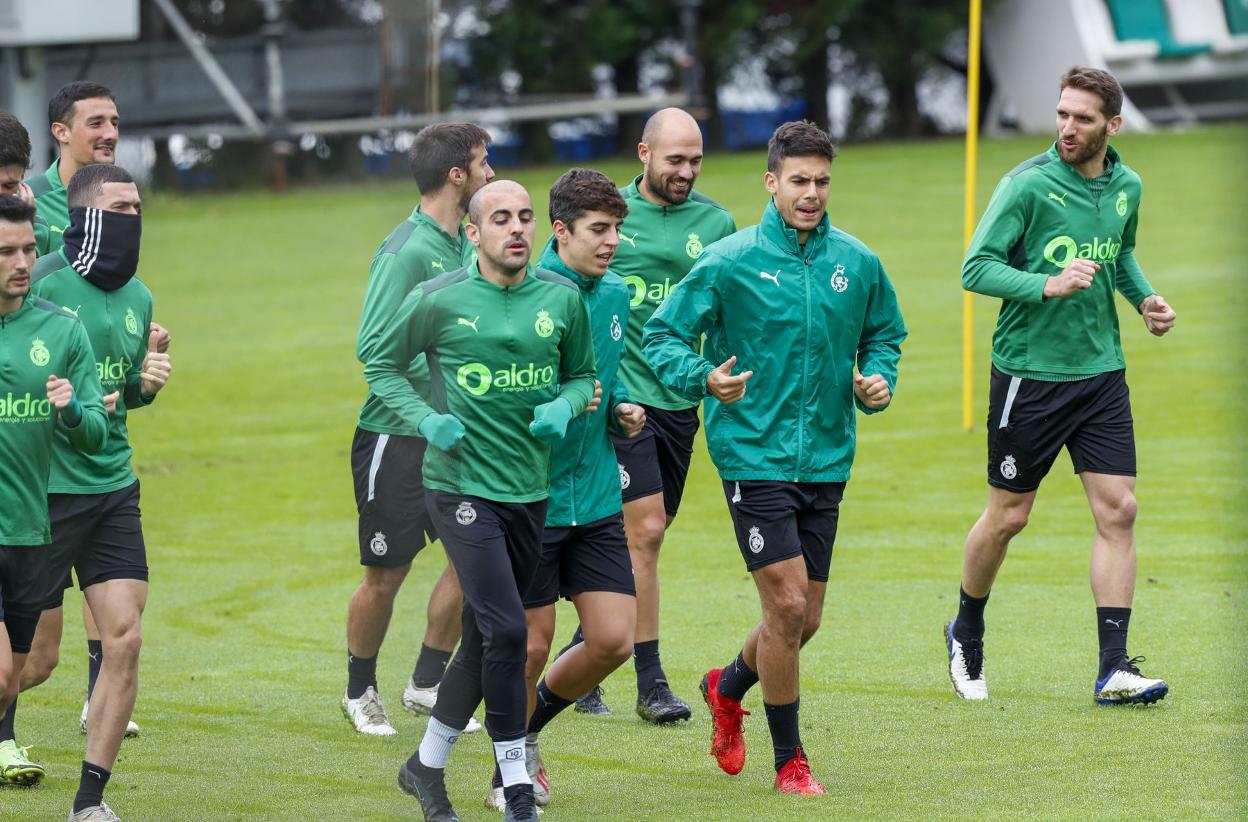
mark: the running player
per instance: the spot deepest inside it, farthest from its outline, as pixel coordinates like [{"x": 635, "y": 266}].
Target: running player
[
  {"x": 512, "y": 364},
  {"x": 798, "y": 303},
  {"x": 450, "y": 163},
  {"x": 1055, "y": 244}
]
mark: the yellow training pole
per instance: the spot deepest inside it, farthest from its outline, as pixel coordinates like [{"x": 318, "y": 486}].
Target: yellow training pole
[{"x": 968, "y": 222}]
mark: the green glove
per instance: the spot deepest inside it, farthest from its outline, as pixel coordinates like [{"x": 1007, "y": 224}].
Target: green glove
[
  {"x": 443, "y": 431},
  {"x": 550, "y": 420}
]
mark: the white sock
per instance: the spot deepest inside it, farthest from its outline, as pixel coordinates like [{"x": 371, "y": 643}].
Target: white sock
[
  {"x": 435, "y": 748},
  {"x": 510, "y": 756}
]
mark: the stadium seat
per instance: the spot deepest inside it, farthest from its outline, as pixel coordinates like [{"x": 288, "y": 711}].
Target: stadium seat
[
  {"x": 1208, "y": 21},
  {"x": 1236, "y": 16},
  {"x": 1148, "y": 20}
]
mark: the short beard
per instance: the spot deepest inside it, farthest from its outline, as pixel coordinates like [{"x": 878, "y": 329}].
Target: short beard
[
  {"x": 1093, "y": 148},
  {"x": 658, "y": 189}
]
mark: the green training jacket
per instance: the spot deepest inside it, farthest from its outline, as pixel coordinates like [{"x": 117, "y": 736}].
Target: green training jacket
[
  {"x": 418, "y": 249},
  {"x": 1041, "y": 215},
  {"x": 36, "y": 341},
  {"x": 51, "y": 209},
  {"x": 799, "y": 317},
  {"x": 117, "y": 324},
  {"x": 495, "y": 353},
  {"x": 658, "y": 246},
  {"x": 584, "y": 475}
]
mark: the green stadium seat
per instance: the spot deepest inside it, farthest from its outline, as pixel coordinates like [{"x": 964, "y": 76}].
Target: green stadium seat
[
  {"x": 1148, "y": 20},
  {"x": 1236, "y": 15}
]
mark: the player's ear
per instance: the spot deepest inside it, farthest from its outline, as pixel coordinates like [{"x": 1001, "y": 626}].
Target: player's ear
[
  {"x": 561, "y": 231},
  {"x": 771, "y": 183},
  {"x": 60, "y": 132},
  {"x": 1114, "y": 124},
  {"x": 643, "y": 153},
  {"x": 456, "y": 176},
  {"x": 473, "y": 233}
]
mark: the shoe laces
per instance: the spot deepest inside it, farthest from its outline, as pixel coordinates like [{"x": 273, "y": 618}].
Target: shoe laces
[
  {"x": 371, "y": 707},
  {"x": 800, "y": 765},
  {"x": 973, "y": 658},
  {"x": 1132, "y": 665}
]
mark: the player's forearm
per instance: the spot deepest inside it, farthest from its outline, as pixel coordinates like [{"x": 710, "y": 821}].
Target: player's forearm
[
  {"x": 991, "y": 277},
  {"x": 1130, "y": 281},
  {"x": 678, "y": 366},
  {"x": 387, "y": 381},
  {"x": 89, "y": 430},
  {"x": 133, "y": 393},
  {"x": 577, "y": 389}
]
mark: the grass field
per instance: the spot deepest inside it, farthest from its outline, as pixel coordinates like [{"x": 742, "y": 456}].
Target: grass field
[{"x": 250, "y": 525}]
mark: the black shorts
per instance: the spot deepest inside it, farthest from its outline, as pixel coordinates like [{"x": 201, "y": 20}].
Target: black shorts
[
  {"x": 589, "y": 557},
  {"x": 22, "y": 572},
  {"x": 1029, "y": 421},
  {"x": 390, "y": 496},
  {"x": 657, "y": 460},
  {"x": 99, "y": 536},
  {"x": 776, "y": 521}
]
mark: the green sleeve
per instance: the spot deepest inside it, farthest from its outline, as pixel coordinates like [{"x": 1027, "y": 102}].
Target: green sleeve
[
  {"x": 986, "y": 269},
  {"x": 1129, "y": 279},
  {"x": 883, "y": 330},
  {"x": 390, "y": 353},
  {"x": 576, "y": 359},
  {"x": 386, "y": 291},
  {"x": 42, "y": 235},
  {"x": 671, "y": 339},
  {"x": 91, "y": 432},
  {"x": 618, "y": 394},
  {"x": 133, "y": 394}
]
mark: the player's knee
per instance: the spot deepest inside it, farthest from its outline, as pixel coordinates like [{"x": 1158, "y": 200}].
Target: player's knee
[
  {"x": 123, "y": 643},
  {"x": 811, "y": 626},
  {"x": 1011, "y": 521},
  {"x": 647, "y": 537},
  {"x": 610, "y": 650},
  {"x": 39, "y": 667},
  {"x": 1117, "y": 513},
  {"x": 538, "y": 650},
  {"x": 786, "y": 614},
  {"x": 507, "y": 642}
]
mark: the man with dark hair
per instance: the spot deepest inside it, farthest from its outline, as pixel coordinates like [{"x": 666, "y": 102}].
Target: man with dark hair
[
  {"x": 94, "y": 499},
  {"x": 667, "y": 226},
  {"x": 798, "y": 303},
  {"x": 584, "y": 549},
  {"x": 450, "y": 163},
  {"x": 14, "y": 163},
  {"x": 511, "y": 363},
  {"x": 82, "y": 117},
  {"x": 36, "y": 406},
  {"x": 1055, "y": 243}
]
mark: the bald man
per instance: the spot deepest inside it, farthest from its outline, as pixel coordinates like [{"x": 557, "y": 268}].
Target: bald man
[
  {"x": 511, "y": 363},
  {"x": 667, "y": 227}
]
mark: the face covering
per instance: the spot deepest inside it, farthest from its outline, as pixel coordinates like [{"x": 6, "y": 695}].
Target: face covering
[{"x": 103, "y": 246}]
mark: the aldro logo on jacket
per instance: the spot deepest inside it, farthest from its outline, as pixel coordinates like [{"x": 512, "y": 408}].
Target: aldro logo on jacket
[
  {"x": 478, "y": 379},
  {"x": 1061, "y": 250}
]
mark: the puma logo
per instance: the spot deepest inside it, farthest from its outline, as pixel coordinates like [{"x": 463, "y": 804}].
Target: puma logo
[
  {"x": 1061, "y": 199},
  {"x": 630, "y": 240},
  {"x": 1117, "y": 623},
  {"x": 470, "y": 323},
  {"x": 775, "y": 278},
  {"x": 438, "y": 265}
]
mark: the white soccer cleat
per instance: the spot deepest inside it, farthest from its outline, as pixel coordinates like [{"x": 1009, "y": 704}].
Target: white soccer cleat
[
  {"x": 496, "y": 800},
  {"x": 537, "y": 774},
  {"x": 1124, "y": 685},
  {"x": 422, "y": 700},
  {"x": 132, "y": 727},
  {"x": 966, "y": 666},
  {"x": 95, "y": 813},
  {"x": 367, "y": 714}
]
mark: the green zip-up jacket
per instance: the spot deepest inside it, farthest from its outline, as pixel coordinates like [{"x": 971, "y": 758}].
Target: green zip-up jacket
[
  {"x": 658, "y": 246},
  {"x": 495, "y": 353},
  {"x": 418, "y": 249},
  {"x": 1043, "y": 214},
  {"x": 36, "y": 341},
  {"x": 51, "y": 209},
  {"x": 117, "y": 324},
  {"x": 584, "y": 475},
  {"x": 799, "y": 317}
]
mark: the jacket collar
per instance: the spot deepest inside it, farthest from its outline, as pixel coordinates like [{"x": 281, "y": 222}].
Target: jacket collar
[
  {"x": 551, "y": 261},
  {"x": 1113, "y": 162},
  {"x": 784, "y": 235}
]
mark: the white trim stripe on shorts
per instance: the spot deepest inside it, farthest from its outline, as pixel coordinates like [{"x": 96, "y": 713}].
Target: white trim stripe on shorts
[
  {"x": 375, "y": 465},
  {"x": 1009, "y": 400}
]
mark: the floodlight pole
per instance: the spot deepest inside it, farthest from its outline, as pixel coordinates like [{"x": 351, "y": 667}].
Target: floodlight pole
[
  {"x": 280, "y": 143},
  {"x": 968, "y": 214},
  {"x": 692, "y": 73}
]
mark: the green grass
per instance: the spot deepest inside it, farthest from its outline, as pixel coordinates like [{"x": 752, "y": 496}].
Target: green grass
[{"x": 251, "y": 534}]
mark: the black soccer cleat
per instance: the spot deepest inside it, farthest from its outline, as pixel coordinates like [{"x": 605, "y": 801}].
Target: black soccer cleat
[
  {"x": 429, "y": 786},
  {"x": 520, "y": 805},
  {"x": 660, "y": 706},
  {"x": 592, "y": 703}
]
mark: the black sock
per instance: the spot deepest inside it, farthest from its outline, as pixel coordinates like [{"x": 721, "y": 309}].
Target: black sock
[
  {"x": 547, "y": 707},
  {"x": 90, "y": 786},
  {"x": 6, "y": 724},
  {"x": 95, "y": 655},
  {"x": 785, "y": 738},
  {"x": 737, "y": 678},
  {"x": 577, "y": 638},
  {"x": 970, "y": 621},
  {"x": 1111, "y": 627},
  {"x": 646, "y": 661},
  {"x": 361, "y": 675},
  {"x": 519, "y": 796},
  {"x": 430, "y": 666}
]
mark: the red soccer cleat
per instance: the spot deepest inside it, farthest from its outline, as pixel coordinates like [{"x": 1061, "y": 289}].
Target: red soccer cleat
[
  {"x": 727, "y": 728},
  {"x": 795, "y": 777}
]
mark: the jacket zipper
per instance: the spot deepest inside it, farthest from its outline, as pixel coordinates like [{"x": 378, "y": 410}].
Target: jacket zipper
[{"x": 801, "y": 415}]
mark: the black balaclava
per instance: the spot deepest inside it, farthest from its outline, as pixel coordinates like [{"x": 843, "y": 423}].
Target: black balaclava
[{"x": 103, "y": 246}]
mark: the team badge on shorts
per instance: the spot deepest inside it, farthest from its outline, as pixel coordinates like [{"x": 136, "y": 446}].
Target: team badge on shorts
[
  {"x": 1008, "y": 469},
  {"x": 39, "y": 353},
  {"x": 465, "y": 514},
  {"x": 839, "y": 281},
  {"x": 617, "y": 330},
  {"x": 756, "y": 540},
  {"x": 544, "y": 326},
  {"x": 625, "y": 479},
  {"x": 378, "y": 544}
]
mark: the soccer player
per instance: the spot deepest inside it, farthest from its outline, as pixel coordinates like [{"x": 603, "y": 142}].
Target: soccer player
[
  {"x": 41, "y": 341},
  {"x": 584, "y": 549},
  {"x": 1055, "y": 244},
  {"x": 94, "y": 499},
  {"x": 450, "y": 163},
  {"x": 512, "y": 363},
  {"x": 14, "y": 158},
  {"x": 797, "y": 303},
  {"x": 84, "y": 122},
  {"x": 667, "y": 227}
]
